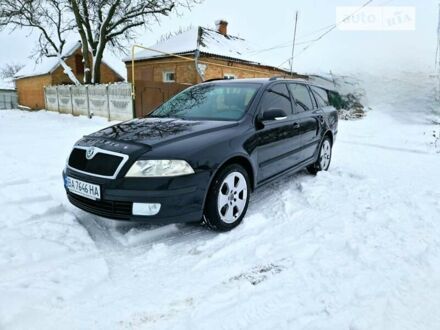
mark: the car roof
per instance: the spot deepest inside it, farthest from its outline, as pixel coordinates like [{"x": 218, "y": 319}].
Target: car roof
[{"x": 264, "y": 81}]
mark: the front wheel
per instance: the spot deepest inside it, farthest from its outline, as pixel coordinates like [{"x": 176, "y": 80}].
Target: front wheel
[
  {"x": 228, "y": 198},
  {"x": 324, "y": 158}
]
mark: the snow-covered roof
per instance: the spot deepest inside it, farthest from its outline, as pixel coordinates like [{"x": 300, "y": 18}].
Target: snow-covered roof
[
  {"x": 211, "y": 43},
  {"x": 50, "y": 64},
  {"x": 46, "y": 64},
  {"x": 7, "y": 84}
]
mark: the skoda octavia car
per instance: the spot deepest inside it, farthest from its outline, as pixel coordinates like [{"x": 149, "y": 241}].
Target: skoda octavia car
[{"x": 198, "y": 156}]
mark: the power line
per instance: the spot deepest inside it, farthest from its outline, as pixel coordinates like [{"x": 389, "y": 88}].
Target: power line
[
  {"x": 304, "y": 42},
  {"x": 332, "y": 27}
]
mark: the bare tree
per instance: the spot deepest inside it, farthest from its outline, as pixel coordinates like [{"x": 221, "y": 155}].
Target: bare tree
[
  {"x": 8, "y": 71},
  {"x": 48, "y": 17},
  {"x": 98, "y": 23},
  {"x": 114, "y": 23}
]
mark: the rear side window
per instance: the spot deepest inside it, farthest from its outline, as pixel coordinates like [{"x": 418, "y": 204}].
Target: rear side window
[
  {"x": 302, "y": 96},
  {"x": 277, "y": 97},
  {"x": 321, "y": 96}
]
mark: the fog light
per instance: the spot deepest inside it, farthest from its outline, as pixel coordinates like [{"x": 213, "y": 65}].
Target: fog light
[{"x": 146, "y": 208}]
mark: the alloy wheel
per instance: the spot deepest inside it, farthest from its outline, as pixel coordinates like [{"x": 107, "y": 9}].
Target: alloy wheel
[
  {"x": 325, "y": 155},
  {"x": 232, "y": 197}
]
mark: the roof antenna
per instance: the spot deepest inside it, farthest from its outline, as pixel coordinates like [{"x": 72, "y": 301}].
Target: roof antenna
[{"x": 293, "y": 45}]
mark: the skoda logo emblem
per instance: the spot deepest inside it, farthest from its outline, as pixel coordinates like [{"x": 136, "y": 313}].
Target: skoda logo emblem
[{"x": 90, "y": 153}]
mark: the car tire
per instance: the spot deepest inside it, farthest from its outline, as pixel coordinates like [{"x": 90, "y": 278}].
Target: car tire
[
  {"x": 228, "y": 198},
  {"x": 324, "y": 157}
]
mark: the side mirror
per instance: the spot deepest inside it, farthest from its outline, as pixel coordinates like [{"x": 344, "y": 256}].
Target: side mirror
[{"x": 273, "y": 114}]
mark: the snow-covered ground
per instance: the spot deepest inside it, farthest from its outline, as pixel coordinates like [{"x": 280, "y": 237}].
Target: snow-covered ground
[{"x": 357, "y": 247}]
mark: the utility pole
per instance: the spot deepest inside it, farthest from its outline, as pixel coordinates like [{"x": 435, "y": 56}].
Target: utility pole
[
  {"x": 437, "y": 54},
  {"x": 293, "y": 45}
]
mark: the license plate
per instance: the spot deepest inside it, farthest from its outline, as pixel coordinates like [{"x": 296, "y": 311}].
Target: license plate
[{"x": 85, "y": 189}]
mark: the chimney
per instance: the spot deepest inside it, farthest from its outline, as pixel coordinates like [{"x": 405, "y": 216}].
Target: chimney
[{"x": 222, "y": 27}]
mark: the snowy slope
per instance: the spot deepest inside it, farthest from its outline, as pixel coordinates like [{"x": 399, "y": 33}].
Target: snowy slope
[{"x": 357, "y": 247}]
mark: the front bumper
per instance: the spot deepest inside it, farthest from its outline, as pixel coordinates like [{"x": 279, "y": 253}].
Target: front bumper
[{"x": 181, "y": 198}]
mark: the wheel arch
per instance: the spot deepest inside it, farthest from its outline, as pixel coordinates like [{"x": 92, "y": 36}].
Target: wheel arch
[
  {"x": 328, "y": 134},
  {"x": 242, "y": 160}
]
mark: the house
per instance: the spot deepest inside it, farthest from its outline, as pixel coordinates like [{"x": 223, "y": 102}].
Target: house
[
  {"x": 31, "y": 80},
  {"x": 8, "y": 95},
  {"x": 158, "y": 75}
]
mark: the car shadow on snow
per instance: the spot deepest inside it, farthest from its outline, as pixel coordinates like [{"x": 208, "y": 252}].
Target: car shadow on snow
[{"x": 107, "y": 232}]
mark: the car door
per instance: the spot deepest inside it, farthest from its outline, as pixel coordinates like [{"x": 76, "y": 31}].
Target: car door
[
  {"x": 278, "y": 141},
  {"x": 308, "y": 117}
]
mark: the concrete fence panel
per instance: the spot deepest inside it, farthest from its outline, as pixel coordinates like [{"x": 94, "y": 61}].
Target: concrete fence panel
[
  {"x": 120, "y": 102},
  {"x": 80, "y": 101},
  {"x": 98, "y": 100},
  {"x": 8, "y": 99},
  {"x": 51, "y": 95},
  {"x": 113, "y": 102},
  {"x": 65, "y": 99}
]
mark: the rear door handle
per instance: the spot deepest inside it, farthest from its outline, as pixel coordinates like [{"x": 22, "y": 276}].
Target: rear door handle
[
  {"x": 321, "y": 119},
  {"x": 296, "y": 125}
]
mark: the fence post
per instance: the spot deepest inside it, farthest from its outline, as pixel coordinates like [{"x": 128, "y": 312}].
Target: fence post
[
  {"x": 108, "y": 101},
  {"x": 133, "y": 102},
  {"x": 45, "y": 97},
  {"x": 71, "y": 100},
  {"x": 58, "y": 99},
  {"x": 88, "y": 101}
]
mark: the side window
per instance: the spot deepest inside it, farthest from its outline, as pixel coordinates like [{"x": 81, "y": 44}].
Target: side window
[
  {"x": 277, "y": 97},
  {"x": 169, "y": 76},
  {"x": 301, "y": 95},
  {"x": 321, "y": 96}
]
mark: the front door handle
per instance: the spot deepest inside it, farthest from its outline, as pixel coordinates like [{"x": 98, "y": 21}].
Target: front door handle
[{"x": 296, "y": 125}]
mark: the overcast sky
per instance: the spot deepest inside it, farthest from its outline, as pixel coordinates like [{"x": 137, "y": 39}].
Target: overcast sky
[{"x": 270, "y": 23}]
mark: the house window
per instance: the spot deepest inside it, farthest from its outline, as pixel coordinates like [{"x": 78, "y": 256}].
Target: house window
[
  {"x": 79, "y": 64},
  {"x": 169, "y": 76},
  {"x": 229, "y": 76}
]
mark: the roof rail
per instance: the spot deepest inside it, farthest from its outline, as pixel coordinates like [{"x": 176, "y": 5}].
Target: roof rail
[
  {"x": 287, "y": 78},
  {"x": 276, "y": 77},
  {"x": 215, "y": 79}
]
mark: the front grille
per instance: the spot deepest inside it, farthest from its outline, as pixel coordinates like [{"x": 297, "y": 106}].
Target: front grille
[
  {"x": 109, "y": 209},
  {"x": 101, "y": 164}
]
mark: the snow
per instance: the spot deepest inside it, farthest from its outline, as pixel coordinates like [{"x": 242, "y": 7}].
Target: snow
[
  {"x": 356, "y": 247},
  {"x": 212, "y": 43},
  {"x": 7, "y": 84},
  {"x": 49, "y": 64},
  {"x": 46, "y": 64},
  {"x": 115, "y": 62}
]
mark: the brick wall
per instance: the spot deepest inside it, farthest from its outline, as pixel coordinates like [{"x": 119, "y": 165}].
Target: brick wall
[
  {"x": 30, "y": 90},
  {"x": 153, "y": 70},
  {"x": 60, "y": 78},
  {"x": 239, "y": 70},
  {"x": 185, "y": 72}
]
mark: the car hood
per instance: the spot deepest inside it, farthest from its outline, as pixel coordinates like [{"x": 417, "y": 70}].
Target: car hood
[{"x": 155, "y": 131}]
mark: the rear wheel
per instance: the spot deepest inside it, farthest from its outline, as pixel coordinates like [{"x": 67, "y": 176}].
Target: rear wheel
[
  {"x": 324, "y": 158},
  {"x": 228, "y": 198}
]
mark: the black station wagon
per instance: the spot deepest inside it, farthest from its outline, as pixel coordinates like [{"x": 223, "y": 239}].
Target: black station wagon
[{"x": 198, "y": 156}]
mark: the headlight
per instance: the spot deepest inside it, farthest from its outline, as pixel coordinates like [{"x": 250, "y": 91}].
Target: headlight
[{"x": 157, "y": 168}]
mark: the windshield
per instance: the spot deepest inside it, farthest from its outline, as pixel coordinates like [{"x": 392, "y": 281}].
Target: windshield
[{"x": 209, "y": 102}]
